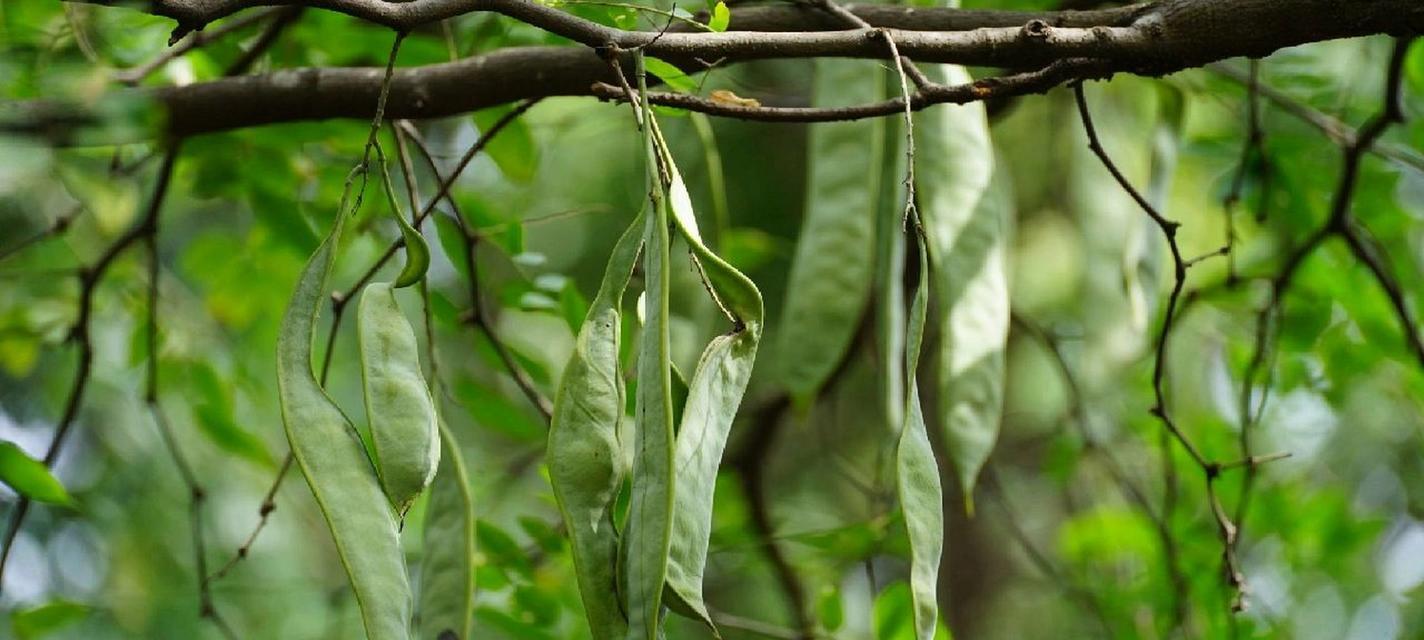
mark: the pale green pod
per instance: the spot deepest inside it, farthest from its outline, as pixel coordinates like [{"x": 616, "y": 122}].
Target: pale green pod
[
  {"x": 890, "y": 277},
  {"x": 917, "y": 477},
  {"x": 646, "y": 540},
  {"x": 447, "y": 570},
  {"x": 967, "y": 236},
  {"x": 833, "y": 270},
  {"x": 332, "y": 458},
  {"x": 405, "y": 436},
  {"x": 714, "y": 394},
  {"x": 417, "y": 252},
  {"x": 583, "y": 455}
]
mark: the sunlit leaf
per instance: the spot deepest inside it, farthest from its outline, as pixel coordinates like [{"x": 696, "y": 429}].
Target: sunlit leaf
[{"x": 29, "y": 477}]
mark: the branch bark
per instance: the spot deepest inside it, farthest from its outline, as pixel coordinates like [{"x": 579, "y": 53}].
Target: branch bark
[{"x": 1149, "y": 39}]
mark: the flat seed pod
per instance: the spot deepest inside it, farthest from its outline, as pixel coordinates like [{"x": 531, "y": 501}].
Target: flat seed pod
[
  {"x": 967, "y": 241},
  {"x": 832, "y": 272},
  {"x": 405, "y": 436},
  {"x": 583, "y": 456},
  {"x": 714, "y": 394},
  {"x": 334, "y": 463},
  {"x": 644, "y": 552},
  {"x": 917, "y": 478}
]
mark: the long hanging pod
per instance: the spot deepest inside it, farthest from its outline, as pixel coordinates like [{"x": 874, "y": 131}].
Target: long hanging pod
[
  {"x": 917, "y": 478},
  {"x": 644, "y": 552},
  {"x": 334, "y": 462},
  {"x": 714, "y": 394},
  {"x": 405, "y": 436},
  {"x": 833, "y": 271},
  {"x": 966, "y": 237},
  {"x": 583, "y": 454}
]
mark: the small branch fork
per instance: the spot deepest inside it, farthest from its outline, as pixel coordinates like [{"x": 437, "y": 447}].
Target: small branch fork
[
  {"x": 196, "y": 495},
  {"x": 1211, "y": 469},
  {"x": 1342, "y": 224},
  {"x": 90, "y": 277},
  {"x": 278, "y": 18},
  {"x": 477, "y": 315}
]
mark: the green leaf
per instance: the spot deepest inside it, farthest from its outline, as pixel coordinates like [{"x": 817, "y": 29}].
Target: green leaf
[
  {"x": 334, "y": 462},
  {"x": 542, "y": 533},
  {"x": 721, "y": 17},
  {"x": 501, "y": 548},
  {"x": 672, "y": 76},
  {"x": 583, "y": 456},
  {"x": 405, "y": 436},
  {"x": 452, "y": 240},
  {"x": 513, "y": 149},
  {"x": 893, "y": 615},
  {"x": 30, "y": 477},
  {"x": 41, "y": 621},
  {"x": 447, "y": 570},
  {"x": 211, "y": 400},
  {"x": 648, "y": 533},
  {"x": 714, "y": 394},
  {"x": 917, "y": 478},
  {"x": 833, "y": 270},
  {"x": 830, "y": 609},
  {"x": 493, "y": 410},
  {"x": 967, "y": 242}
]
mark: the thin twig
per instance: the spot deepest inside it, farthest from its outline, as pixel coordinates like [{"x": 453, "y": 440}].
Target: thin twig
[
  {"x": 89, "y": 279},
  {"x": 925, "y": 95},
  {"x": 1039, "y": 559},
  {"x": 196, "y": 495},
  {"x": 1343, "y": 224},
  {"x": 1340, "y": 133},
  {"x": 59, "y": 226},
  {"x": 338, "y": 305},
  {"x": 1160, "y": 409},
  {"x": 135, "y": 75},
  {"x": 286, "y": 17},
  {"x": 477, "y": 315}
]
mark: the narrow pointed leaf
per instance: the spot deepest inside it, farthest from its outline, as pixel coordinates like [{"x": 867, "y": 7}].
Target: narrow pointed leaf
[
  {"x": 721, "y": 17},
  {"x": 584, "y": 459},
  {"x": 334, "y": 462}
]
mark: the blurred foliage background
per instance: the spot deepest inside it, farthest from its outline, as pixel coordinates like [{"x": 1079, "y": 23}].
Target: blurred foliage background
[{"x": 1333, "y": 546}]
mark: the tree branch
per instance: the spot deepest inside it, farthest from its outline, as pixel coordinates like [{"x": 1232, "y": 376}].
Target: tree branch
[
  {"x": 1153, "y": 39},
  {"x": 195, "y": 14}
]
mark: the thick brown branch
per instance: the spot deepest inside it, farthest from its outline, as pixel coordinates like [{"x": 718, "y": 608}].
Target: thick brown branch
[
  {"x": 194, "y": 14},
  {"x": 1152, "y": 39}
]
